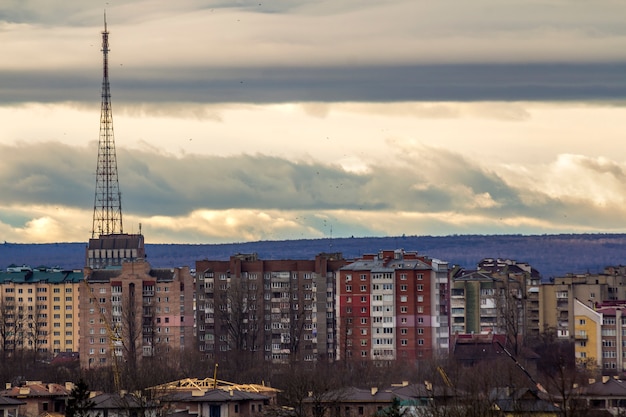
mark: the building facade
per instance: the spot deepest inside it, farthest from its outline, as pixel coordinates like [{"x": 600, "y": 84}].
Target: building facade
[
  {"x": 135, "y": 312},
  {"x": 587, "y": 334},
  {"x": 392, "y": 305},
  {"x": 557, "y": 297},
  {"x": 39, "y": 310},
  {"x": 276, "y": 310},
  {"x": 501, "y": 296}
]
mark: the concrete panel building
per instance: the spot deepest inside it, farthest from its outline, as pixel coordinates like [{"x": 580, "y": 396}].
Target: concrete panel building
[
  {"x": 392, "y": 305},
  {"x": 276, "y": 310},
  {"x": 39, "y": 310}
]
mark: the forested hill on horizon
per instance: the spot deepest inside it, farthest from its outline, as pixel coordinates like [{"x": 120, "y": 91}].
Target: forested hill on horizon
[{"x": 551, "y": 255}]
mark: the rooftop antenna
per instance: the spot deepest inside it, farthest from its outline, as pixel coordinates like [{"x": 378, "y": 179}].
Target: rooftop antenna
[{"x": 107, "y": 208}]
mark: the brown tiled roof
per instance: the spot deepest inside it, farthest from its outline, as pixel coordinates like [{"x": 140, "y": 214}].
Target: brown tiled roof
[{"x": 36, "y": 389}]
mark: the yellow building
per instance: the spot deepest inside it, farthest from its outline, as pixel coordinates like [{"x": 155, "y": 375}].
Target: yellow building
[
  {"x": 39, "y": 309},
  {"x": 587, "y": 333}
]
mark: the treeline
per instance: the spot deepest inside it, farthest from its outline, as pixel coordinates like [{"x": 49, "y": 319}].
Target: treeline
[{"x": 551, "y": 255}]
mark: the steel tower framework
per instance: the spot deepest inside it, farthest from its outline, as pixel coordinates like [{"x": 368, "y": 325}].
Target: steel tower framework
[{"x": 107, "y": 209}]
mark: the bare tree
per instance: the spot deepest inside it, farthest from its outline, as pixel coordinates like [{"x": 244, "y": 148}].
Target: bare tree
[
  {"x": 562, "y": 378},
  {"x": 130, "y": 336},
  {"x": 7, "y": 327}
]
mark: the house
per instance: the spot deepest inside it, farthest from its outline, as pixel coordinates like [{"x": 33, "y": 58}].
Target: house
[
  {"x": 606, "y": 394},
  {"x": 38, "y": 398},
  {"x": 522, "y": 402},
  {"x": 215, "y": 403},
  {"x": 9, "y": 406},
  {"x": 122, "y": 405}
]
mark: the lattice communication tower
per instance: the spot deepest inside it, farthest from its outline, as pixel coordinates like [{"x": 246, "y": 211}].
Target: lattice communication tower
[{"x": 107, "y": 209}]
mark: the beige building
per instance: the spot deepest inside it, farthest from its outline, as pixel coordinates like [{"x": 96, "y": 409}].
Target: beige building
[
  {"x": 556, "y": 298},
  {"x": 39, "y": 310},
  {"x": 134, "y": 312}
]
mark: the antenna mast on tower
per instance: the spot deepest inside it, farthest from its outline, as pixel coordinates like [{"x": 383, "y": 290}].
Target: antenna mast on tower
[{"x": 107, "y": 209}]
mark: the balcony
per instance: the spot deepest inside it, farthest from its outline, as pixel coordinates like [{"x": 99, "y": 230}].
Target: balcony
[{"x": 581, "y": 336}]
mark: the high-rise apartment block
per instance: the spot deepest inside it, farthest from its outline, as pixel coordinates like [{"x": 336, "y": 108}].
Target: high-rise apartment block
[
  {"x": 392, "y": 305},
  {"x": 277, "y": 310},
  {"x": 557, "y": 296},
  {"x": 135, "y": 312},
  {"x": 39, "y": 310},
  {"x": 501, "y": 296}
]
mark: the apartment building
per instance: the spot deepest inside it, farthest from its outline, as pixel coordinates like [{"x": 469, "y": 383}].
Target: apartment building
[
  {"x": 557, "y": 296},
  {"x": 276, "y": 310},
  {"x": 501, "y": 296},
  {"x": 39, "y": 310},
  {"x": 587, "y": 334},
  {"x": 135, "y": 311},
  {"x": 392, "y": 305}
]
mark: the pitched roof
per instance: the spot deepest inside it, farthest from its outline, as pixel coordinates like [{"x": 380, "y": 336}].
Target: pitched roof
[
  {"x": 8, "y": 401},
  {"x": 611, "y": 387},
  {"x": 116, "y": 401},
  {"x": 214, "y": 395},
  {"x": 36, "y": 389}
]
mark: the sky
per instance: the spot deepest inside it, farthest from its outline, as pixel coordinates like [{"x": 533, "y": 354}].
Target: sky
[{"x": 242, "y": 120}]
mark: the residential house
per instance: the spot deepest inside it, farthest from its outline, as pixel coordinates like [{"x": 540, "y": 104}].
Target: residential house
[{"x": 39, "y": 397}]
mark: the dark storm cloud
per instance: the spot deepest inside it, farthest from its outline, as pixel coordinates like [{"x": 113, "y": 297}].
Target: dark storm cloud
[
  {"x": 488, "y": 82},
  {"x": 156, "y": 184}
]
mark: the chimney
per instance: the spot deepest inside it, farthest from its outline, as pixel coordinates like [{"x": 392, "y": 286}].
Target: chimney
[
  {"x": 374, "y": 390},
  {"x": 7, "y": 385}
]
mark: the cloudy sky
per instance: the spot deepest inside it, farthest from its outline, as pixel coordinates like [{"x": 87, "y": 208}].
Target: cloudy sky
[{"x": 241, "y": 120}]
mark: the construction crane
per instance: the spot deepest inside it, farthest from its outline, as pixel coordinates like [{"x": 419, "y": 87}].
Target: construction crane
[
  {"x": 444, "y": 376},
  {"x": 520, "y": 366},
  {"x": 113, "y": 337}
]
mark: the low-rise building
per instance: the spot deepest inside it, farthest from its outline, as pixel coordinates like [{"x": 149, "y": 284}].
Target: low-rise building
[{"x": 39, "y": 397}]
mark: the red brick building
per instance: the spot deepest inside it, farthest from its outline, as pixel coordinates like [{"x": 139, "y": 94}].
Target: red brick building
[{"x": 134, "y": 312}]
